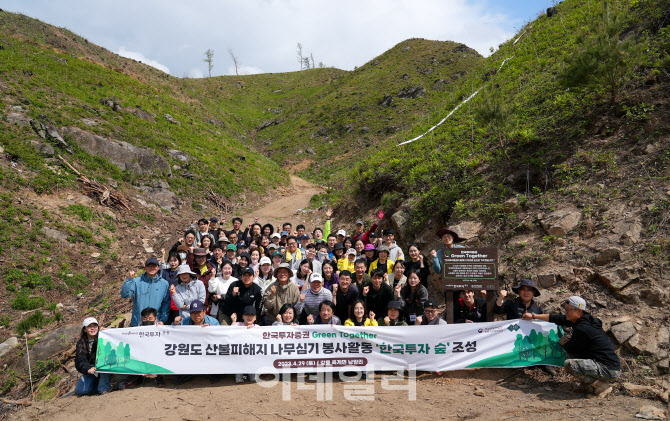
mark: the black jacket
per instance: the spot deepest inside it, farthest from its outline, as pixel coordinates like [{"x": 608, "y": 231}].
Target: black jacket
[
  {"x": 423, "y": 273},
  {"x": 515, "y": 308},
  {"x": 246, "y": 296},
  {"x": 476, "y": 313},
  {"x": 85, "y": 360},
  {"x": 588, "y": 340},
  {"x": 376, "y": 301}
]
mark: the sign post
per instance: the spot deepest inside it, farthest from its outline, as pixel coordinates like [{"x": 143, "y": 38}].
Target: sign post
[{"x": 467, "y": 268}]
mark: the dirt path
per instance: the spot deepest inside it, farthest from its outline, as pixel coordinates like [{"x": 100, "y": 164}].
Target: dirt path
[
  {"x": 285, "y": 207},
  {"x": 462, "y": 395}
]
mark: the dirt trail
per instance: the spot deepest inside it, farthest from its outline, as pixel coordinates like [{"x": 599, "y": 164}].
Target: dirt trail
[
  {"x": 284, "y": 208},
  {"x": 471, "y": 395}
]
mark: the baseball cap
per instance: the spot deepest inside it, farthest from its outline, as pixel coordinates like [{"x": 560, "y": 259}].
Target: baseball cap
[
  {"x": 241, "y": 244},
  {"x": 343, "y": 233},
  {"x": 276, "y": 235},
  {"x": 249, "y": 310},
  {"x": 276, "y": 253},
  {"x": 231, "y": 247},
  {"x": 196, "y": 306},
  {"x": 369, "y": 247},
  {"x": 315, "y": 277},
  {"x": 88, "y": 321},
  {"x": 359, "y": 222},
  {"x": 247, "y": 270},
  {"x": 351, "y": 251},
  {"x": 284, "y": 234},
  {"x": 151, "y": 261},
  {"x": 576, "y": 302},
  {"x": 272, "y": 246},
  {"x": 304, "y": 237},
  {"x": 213, "y": 219},
  {"x": 265, "y": 260},
  {"x": 429, "y": 304}
]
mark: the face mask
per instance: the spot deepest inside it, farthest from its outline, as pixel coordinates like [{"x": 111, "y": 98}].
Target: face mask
[
  {"x": 321, "y": 256},
  {"x": 182, "y": 256}
]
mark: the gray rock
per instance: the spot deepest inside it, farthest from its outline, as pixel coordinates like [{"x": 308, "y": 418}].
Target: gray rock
[
  {"x": 17, "y": 118},
  {"x": 628, "y": 230},
  {"x": 467, "y": 229},
  {"x": 89, "y": 122},
  {"x": 162, "y": 197},
  {"x": 623, "y": 331},
  {"x": 643, "y": 345},
  {"x": 413, "y": 91},
  {"x": 546, "y": 280},
  {"x": 387, "y": 101},
  {"x": 122, "y": 154},
  {"x": 47, "y": 150},
  {"x": 172, "y": 120},
  {"x": 649, "y": 412},
  {"x": 55, "y": 234},
  {"x": 53, "y": 135},
  {"x": 310, "y": 151},
  {"x": 400, "y": 221},
  {"x": 52, "y": 343},
  {"x": 606, "y": 256},
  {"x": 348, "y": 128},
  {"x": 39, "y": 128},
  {"x": 365, "y": 129},
  {"x": 178, "y": 155},
  {"x": 140, "y": 113},
  {"x": 440, "y": 84},
  {"x": 654, "y": 297},
  {"x": 8, "y": 345},
  {"x": 561, "y": 222}
]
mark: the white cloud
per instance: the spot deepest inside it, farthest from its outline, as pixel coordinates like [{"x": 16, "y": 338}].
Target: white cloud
[
  {"x": 194, "y": 72},
  {"x": 244, "y": 70},
  {"x": 135, "y": 55}
]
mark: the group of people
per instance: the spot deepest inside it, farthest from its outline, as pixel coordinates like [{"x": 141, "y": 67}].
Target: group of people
[{"x": 261, "y": 276}]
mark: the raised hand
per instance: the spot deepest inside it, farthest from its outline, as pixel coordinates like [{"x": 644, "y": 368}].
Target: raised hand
[
  {"x": 387, "y": 320},
  {"x": 235, "y": 291},
  {"x": 177, "y": 320},
  {"x": 433, "y": 253},
  {"x": 310, "y": 319},
  {"x": 419, "y": 320},
  {"x": 302, "y": 297},
  {"x": 381, "y": 214},
  {"x": 131, "y": 273},
  {"x": 233, "y": 317},
  {"x": 172, "y": 289},
  {"x": 366, "y": 289},
  {"x": 397, "y": 290},
  {"x": 372, "y": 315},
  {"x": 329, "y": 213},
  {"x": 335, "y": 287}
]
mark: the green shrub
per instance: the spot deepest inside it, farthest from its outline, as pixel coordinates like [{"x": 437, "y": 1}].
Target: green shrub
[
  {"x": 34, "y": 321},
  {"x": 23, "y": 301}
]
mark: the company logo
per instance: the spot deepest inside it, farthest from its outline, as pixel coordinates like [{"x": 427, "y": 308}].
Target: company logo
[
  {"x": 513, "y": 328},
  {"x": 490, "y": 329}
]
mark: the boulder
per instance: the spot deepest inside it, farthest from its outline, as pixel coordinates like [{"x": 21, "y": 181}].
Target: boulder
[
  {"x": 628, "y": 230},
  {"x": 55, "y": 234},
  {"x": 400, "y": 223},
  {"x": 623, "y": 331},
  {"x": 546, "y": 280},
  {"x": 122, "y": 154},
  {"x": 178, "y": 155},
  {"x": 551, "y": 11},
  {"x": 412, "y": 91},
  {"x": 467, "y": 229},
  {"x": 162, "y": 197},
  {"x": 643, "y": 345},
  {"x": 561, "y": 222},
  {"x": 387, "y": 101},
  {"x": 140, "y": 113},
  {"x": 8, "y": 345},
  {"x": 606, "y": 256},
  {"x": 172, "y": 120},
  {"x": 649, "y": 412},
  {"x": 46, "y": 150},
  {"x": 654, "y": 297},
  {"x": 52, "y": 343},
  {"x": 17, "y": 118}
]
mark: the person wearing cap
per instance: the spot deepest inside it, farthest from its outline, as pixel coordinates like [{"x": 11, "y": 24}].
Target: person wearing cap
[
  {"x": 214, "y": 231},
  {"x": 395, "y": 252},
  {"x": 242, "y": 247},
  {"x": 348, "y": 262},
  {"x": 275, "y": 238},
  {"x": 392, "y": 317},
  {"x": 264, "y": 278},
  {"x": 431, "y": 315},
  {"x": 378, "y": 294},
  {"x": 277, "y": 259},
  {"x": 341, "y": 235},
  {"x": 360, "y": 229},
  {"x": 283, "y": 237},
  {"x": 90, "y": 381},
  {"x": 244, "y": 293},
  {"x": 189, "y": 289},
  {"x": 310, "y": 299},
  {"x": 382, "y": 262},
  {"x": 280, "y": 292},
  {"x": 591, "y": 356},
  {"x": 469, "y": 309},
  {"x": 231, "y": 253},
  {"x": 450, "y": 240},
  {"x": 147, "y": 290},
  {"x": 344, "y": 295},
  {"x": 304, "y": 241},
  {"x": 197, "y": 316},
  {"x": 370, "y": 255},
  {"x": 204, "y": 271},
  {"x": 524, "y": 303},
  {"x": 293, "y": 255}
]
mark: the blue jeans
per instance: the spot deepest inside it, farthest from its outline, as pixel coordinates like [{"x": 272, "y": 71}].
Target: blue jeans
[{"x": 89, "y": 384}]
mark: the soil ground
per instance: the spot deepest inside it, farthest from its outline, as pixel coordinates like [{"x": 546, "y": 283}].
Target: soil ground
[{"x": 459, "y": 395}]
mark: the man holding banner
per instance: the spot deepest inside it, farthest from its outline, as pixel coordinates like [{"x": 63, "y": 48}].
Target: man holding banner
[{"x": 591, "y": 356}]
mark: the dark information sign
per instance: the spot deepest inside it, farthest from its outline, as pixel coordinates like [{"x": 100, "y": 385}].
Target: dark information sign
[{"x": 470, "y": 268}]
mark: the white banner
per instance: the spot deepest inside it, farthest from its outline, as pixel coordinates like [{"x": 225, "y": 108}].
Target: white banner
[{"x": 222, "y": 349}]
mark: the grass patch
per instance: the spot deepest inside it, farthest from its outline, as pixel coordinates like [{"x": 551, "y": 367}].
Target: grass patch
[
  {"x": 23, "y": 301},
  {"x": 34, "y": 321}
]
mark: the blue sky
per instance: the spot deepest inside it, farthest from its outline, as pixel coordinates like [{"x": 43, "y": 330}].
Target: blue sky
[{"x": 173, "y": 35}]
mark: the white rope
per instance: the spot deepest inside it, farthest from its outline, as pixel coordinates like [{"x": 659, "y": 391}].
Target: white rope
[{"x": 454, "y": 110}]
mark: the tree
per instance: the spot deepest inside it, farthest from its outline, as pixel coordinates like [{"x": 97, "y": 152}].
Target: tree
[
  {"x": 321, "y": 65},
  {"x": 126, "y": 354},
  {"x": 119, "y": 353},
  {"x": 311, "y": 57},
  {"x": 517, "y": 344},
  {"x": 209, "y": 54},
  {"x": 306, "y": 60},
  {"x": 300, "y": 58},
  {"x": 236, "y": 61}
]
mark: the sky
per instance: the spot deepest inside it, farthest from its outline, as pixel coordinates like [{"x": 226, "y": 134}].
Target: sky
[{"x": 173, "y": 35}]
